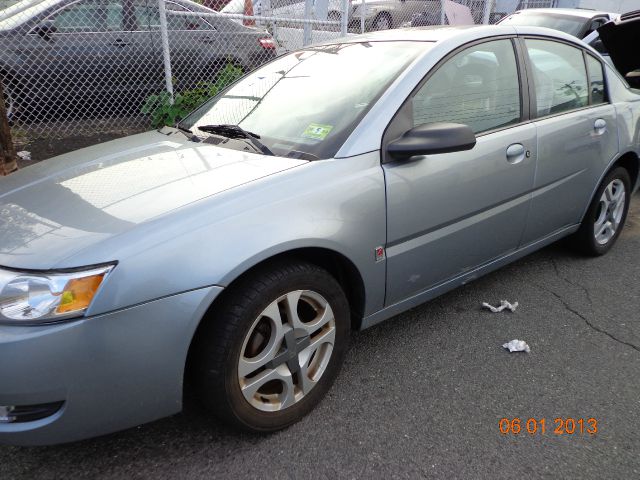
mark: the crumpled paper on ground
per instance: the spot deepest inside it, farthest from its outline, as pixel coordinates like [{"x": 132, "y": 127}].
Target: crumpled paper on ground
[
  {"x": 24, "y": 155},
  {"x": 517, "y": 346},
  {"x": 503, "y": 305}
]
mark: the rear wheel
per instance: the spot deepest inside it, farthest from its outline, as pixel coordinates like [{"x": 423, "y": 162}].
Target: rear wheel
[
  {"x": 606, "y": 215},
  {"x": 382, "y": 22},
  {"x": 273, "y": 347}
]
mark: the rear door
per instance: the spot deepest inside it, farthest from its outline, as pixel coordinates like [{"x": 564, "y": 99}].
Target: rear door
[
  {"x": 576, "y": 133},
  {"x": 450, "y": 213}
]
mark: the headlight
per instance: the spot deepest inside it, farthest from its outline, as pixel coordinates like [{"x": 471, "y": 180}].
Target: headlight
[{"x": 46, "y": 297}]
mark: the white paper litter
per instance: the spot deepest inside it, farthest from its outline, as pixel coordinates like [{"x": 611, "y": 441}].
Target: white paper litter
[
  {"x": 24, "y": 155},
  {"x": 503, "y": 305},
  {"x": 517, "y": 346}
]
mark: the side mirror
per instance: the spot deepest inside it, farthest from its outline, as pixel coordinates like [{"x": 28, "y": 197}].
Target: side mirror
[
  {"x": 431, "y": 139},
  {"x": 46, "y": 29}
]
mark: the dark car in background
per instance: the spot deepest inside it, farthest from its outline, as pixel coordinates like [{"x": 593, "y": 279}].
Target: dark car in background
[
  {"x": 617, "y": 41},
  {"x": 62, "y": 54},
  {"x": 574, "y": 21}
]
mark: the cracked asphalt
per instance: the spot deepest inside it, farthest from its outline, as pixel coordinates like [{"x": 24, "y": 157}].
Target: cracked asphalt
[{"x": 422, "y": 395}]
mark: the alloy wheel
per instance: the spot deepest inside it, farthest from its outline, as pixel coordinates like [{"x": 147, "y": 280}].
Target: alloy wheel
[
  {"x": 610, "y": 212},
  {"x": 286, "y": 351}
]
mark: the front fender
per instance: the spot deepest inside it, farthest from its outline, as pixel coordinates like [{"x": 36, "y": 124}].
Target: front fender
[{"x": 338, "y": 205}]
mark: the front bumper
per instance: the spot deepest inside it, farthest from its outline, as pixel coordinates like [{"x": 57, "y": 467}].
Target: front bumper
[{"x": 111, "y": 372}]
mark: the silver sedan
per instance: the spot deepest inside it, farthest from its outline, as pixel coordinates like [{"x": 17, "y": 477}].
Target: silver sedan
[{"x": 327, "y": 191}]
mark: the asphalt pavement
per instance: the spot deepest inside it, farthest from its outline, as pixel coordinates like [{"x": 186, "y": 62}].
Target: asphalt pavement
[{"x": 422, "y": 395}]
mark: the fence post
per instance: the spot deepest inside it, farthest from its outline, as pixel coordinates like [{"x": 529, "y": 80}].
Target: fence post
[
  {"x": 166, "y": 54},
  {"x": 488, "y": 8},
  {"x": 306, "y": 28},
  {"x": 8, "y": 154},
  {"x": 443, "y": 14},
  {"x": 344, "y": 18}
]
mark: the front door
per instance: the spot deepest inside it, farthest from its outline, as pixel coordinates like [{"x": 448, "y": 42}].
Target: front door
[
  {"x": 450, "y": 213},
  {"x": 85, "y": 55}
]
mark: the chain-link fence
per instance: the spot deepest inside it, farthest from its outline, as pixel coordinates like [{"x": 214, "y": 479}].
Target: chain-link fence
[{"x": 72, "y": 66}]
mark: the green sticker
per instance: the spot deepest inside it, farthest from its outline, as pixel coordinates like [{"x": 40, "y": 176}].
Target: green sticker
[{"x": 317, "y": 131}]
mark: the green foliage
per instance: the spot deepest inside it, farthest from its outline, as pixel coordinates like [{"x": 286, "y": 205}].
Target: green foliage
[{"x": 163, "y": 112}]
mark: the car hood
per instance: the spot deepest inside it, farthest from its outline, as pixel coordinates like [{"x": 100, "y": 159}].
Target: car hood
[
  {"x": 54, "y": 209},
  {"x": 618, "y": 38}
]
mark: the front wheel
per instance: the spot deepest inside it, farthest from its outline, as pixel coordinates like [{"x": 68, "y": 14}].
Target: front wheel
[
  {"x": 606, "y": 215},
  {"x": 9, "y": 101},
  {"x": 274, "y": 346}
]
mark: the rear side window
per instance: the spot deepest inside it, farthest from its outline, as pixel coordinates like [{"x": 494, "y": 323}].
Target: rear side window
[
  {"x": 148, "y": 17},
  {"x": 596, "y": 80},
  {"x": 478, "y": 87},
  {"x": 559, "y": 75}
]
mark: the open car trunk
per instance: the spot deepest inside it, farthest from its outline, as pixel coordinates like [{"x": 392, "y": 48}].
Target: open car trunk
[{"x": 621, "y": 39}]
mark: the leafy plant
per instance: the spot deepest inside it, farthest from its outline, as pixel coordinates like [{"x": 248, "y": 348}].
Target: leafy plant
[{"x": 164, "y": 112}]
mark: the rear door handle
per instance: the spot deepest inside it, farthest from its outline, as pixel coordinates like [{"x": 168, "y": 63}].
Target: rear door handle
[
  {"x": 600, "y": 126},
  {"x": 516, "y": 153}
]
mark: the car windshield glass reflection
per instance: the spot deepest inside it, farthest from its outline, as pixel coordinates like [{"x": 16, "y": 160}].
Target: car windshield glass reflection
[{"x": 304, "y": 105}]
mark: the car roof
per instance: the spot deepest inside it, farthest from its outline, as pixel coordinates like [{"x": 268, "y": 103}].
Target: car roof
[
  {"x": 440, "y": 33},
  {"x": 576, "y": 12},
  {"x": 439, "y": 42}
]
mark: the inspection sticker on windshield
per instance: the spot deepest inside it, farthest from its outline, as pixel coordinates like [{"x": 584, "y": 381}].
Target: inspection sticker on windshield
[{"x": 317, "y": 131}]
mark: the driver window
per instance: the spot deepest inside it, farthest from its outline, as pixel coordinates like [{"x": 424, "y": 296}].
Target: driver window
[
  {"x": 89, "y": 16},
  {"x": 478, "y": 87}
]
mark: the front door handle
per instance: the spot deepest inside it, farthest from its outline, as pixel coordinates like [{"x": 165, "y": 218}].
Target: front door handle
[
  {"x": 600, "y": 126},
  {"x": 118, "y": 42},
  {"x": 516, "y": 153}
]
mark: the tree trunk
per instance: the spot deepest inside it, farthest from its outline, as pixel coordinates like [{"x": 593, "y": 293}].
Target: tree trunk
[{"x": 8, "y": 154}]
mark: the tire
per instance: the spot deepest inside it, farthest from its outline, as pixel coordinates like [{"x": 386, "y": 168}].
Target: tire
[
  {"x": 606, "y": 215},
  {"x": 9, "y": 101},
  {"x": 382, "y": 22},
  {"x": 243, "y": 376}
]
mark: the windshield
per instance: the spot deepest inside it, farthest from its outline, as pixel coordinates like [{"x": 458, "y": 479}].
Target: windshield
[
  {"x": 305, "y": 104},
  {"x": 566, "y": 23}
]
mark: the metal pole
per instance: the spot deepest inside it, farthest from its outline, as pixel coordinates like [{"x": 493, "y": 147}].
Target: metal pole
[
  {"x": 166, "y": 54},
  {"x": 363, "y": 11},
  {"x": 443, "y": 15},
  {"x": 265, "y": 10},
  {"x": 344, "y": 17},
  {"x": 488, "y": 8},
  {"x": 8, "y": 154},
  {"x": 306, "y": 29}
]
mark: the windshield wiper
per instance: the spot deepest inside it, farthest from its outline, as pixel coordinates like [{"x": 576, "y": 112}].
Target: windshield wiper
[
  {"x": 237, "y": 133},
  {"x": 190, "y": 135}
]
